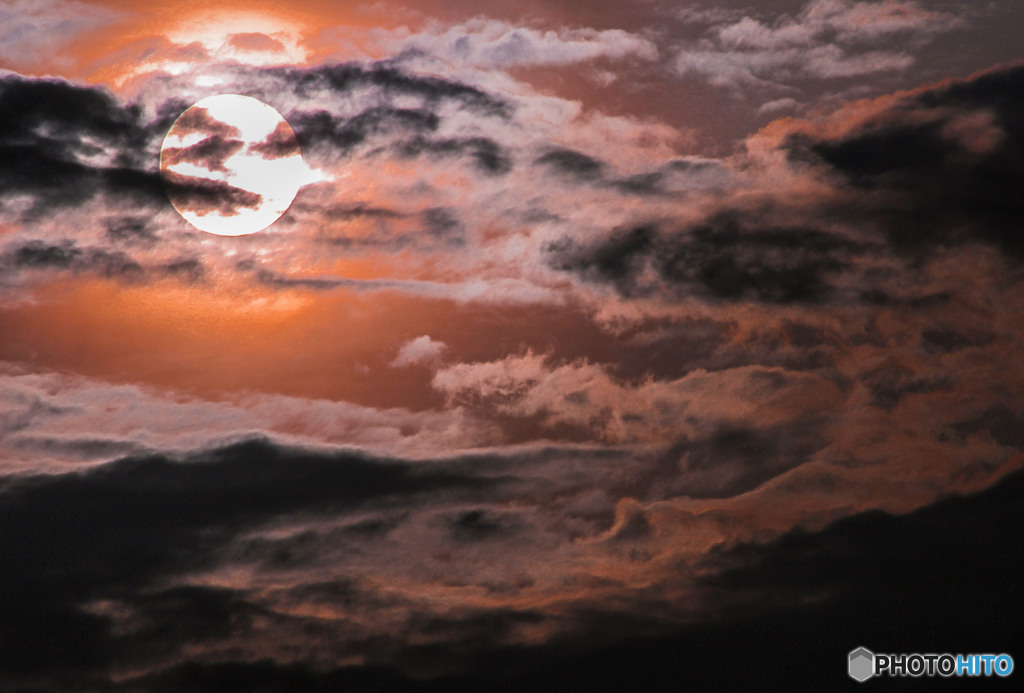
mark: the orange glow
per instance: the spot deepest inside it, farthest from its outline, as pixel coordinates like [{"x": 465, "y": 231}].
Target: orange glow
[
  {"x": 158, "y": 30},
  {"x": 213, "y": 342}
]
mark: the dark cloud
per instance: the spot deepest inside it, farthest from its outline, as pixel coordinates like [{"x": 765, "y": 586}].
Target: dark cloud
[
  {"x": 130, "y": 230},
  {"x": 380, "y": 127},
  {"x": 487, "y": 155},
  {"x": 947, "y": 339},
  {"x": 198, "y": 121},
  {"x": 891, "y": 580},
  {"x": 48, "y": 131},
  {"x": 280, "y": 143},
  {"x": 735, "y": 460},
  {"x": 890, "y": 382},
  {"x": 640, "y": 184},
  {"x": 939, "y": 167},
  {"x": 789, "y": 612},
  {"x": 578, "y": 167},
  {"x": 721, "y": 259},
  {"x": 279, "y": 281},
  {"x": 442, "y": 225},
  {"x": 347, "y": 77},
  {"x": 318, "y": 127},
  {"x": 188, "y": 269},
  {"x": 87, "y": 448},
  {"x": 109, "y": 531},
  {"x": 66, "y": 255},
  {"x": 361, "y": 211},
  {"x": 1005, "y": 426},
  {"x": 571, "y": 163},
  {"x": 59, "y": 113},
  {"x": 42, "y": 255},
  {"x": 210, "y": 153},
  {"x": 427, "y": 230},
  {"x": 472, "y": 525},
  {"x": 51, "y": 133},
  {"x": 205, "y": 195},
  {"x": 943, "y": 166}
]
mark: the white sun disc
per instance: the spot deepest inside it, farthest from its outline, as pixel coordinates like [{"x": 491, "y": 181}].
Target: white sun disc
[{"x": 231, "y": 165}]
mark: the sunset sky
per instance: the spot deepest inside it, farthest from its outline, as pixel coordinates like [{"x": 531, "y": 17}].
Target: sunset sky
[{"x": 606, "y": 345}]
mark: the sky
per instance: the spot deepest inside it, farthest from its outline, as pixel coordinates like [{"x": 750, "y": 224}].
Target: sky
[{"x": 604, "y": 345}]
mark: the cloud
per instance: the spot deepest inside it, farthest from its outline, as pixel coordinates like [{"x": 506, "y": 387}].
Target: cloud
[
  {"x": 67, "y": 256},
  {"x": 828, "y": 39},
  {"x": 125, "y": 524},
  {"x": 830, "y": 213},
  {"x": 255, "y": 41},
  {"x": 209, "y": 153},
  {"x": 572, "y": 163},
  {"x": 676, "y": 177},
  {"x": 858, "y": 570},
  {"x": 236, "y": 556},
  {"x": 199, "y": 121},
  {"x": 66, "y": 144},
  {"x": 201, "y": 195},
  {"x": 352, "y": 78},
  {"x": 279, "y": 143},
  {"x": 585, "y": 396},
  {"x": 320, "y": 130},
  {"x": 720, "y": 259},
  {"x": 936, "y": 166},
  {"x": 873, "y": 577},
  {"x": 419, "y": 350},
  {"x": 486, "y": 154},
  {"x": 32, "y": 28},
  {"x": 53, "y": 422},
  {"x": 494, "y": 44}
]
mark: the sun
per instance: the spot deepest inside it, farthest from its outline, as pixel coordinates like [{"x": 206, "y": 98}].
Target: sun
[{"x": 232, "y": 165}]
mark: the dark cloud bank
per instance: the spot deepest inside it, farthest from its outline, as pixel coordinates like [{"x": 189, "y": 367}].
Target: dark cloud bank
[
  {"x": 114, "y": 530},
  {"x": 785, "y": 612}
]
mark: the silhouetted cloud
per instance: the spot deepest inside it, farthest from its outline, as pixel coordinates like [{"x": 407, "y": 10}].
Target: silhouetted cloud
[
  {"x": 345, "y": 78},
  {"x": 487, "y": 155},
  {"x": 941, "y": 166},
  {"x": 50, "y": 135},
  {"x": 790, "y": 609},
  {"x": 210, "y": 153},
  {"x": 66, "y": 255},
  {"x": 721, "y": 259},
  {"x": 280, "y": 143},
  {"x": 199, "y": 121},
  {"x": 572, "y": 163},
  {"x": 316, "y": 127},
  {"x": 113, "y": 529},
  {"x": 205, "y": 195}
]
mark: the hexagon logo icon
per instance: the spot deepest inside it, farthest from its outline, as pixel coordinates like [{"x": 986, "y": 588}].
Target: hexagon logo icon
[{"x": 861, "y": 664}]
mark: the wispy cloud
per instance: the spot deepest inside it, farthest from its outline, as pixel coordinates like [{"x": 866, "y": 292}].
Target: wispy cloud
[
  {"x": 827, "y": 39},
  {"x": 419, "y": 350},
  {"x": 45, "y": 27},
  {"x": 494, "y": 44}
]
